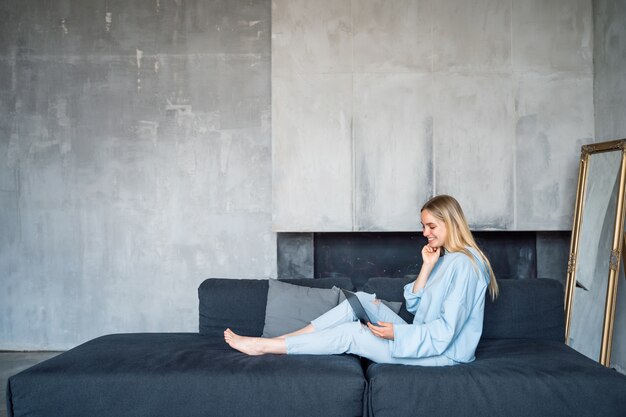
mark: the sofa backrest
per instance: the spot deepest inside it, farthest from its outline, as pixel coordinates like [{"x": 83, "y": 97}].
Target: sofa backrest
[
  {"x": 240, "y": 303},
  {"x": 525, "y": 309}
]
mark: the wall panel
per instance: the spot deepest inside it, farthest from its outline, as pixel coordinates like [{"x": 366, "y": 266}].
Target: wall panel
[
  {"x": 473, "y": 35},
  {"x": 135, "y": 161},
  {"x": 474, "y": 142},
  {"x": 312, "y": 152},
  {"x": 392, "y": 36},
  {"x": 470, "y": 87},
  {"x": 393, "y": 128},
  {"x": 311, "y": 36},
  {"x": 554, "y": 119}
]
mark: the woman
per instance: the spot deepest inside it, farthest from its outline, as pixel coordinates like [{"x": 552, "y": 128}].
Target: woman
[{"x": 447, "y": 298}]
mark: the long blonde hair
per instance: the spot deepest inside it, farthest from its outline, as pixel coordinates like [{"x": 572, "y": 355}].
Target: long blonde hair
[{"x": 459, "y": 237}]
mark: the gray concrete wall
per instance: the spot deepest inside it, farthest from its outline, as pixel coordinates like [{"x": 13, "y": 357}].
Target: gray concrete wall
[
  {"x": 488, "y": 100},
  {"x": 609, "y": 69},
  {"x": 135, "y": 161},
  {"x": 610, "y": 120},
  {"x": 135, "y": 155}
]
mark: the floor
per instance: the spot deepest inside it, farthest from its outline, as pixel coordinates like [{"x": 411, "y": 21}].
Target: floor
[{"x": 13, "y": 362}]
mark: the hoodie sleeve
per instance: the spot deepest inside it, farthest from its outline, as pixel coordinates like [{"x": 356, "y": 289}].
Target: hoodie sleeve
[
  {"x": 434, "y": 337},
  {"x": 412, "y": 298}
]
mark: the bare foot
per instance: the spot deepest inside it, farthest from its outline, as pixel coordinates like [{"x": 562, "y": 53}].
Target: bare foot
[{"x": 244, "y": 344}]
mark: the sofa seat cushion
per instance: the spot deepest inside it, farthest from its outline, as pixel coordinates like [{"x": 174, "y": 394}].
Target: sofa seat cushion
[
  {"x": 508, "y": 378},
  {"x": 184, "y": 374}
]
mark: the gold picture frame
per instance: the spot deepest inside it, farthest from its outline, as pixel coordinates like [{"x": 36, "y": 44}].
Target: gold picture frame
[{"x": 612, "y": 258}]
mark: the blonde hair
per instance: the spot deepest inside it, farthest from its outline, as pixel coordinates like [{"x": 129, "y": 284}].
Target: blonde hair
[{"x": 459, "y": 237}]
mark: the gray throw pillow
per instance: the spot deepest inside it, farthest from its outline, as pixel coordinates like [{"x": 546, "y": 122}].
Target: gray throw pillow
[{"x": 291, "y": 307}]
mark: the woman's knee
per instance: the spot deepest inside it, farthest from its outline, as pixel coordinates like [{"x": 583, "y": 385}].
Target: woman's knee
[{"x": 365, "y": 295}]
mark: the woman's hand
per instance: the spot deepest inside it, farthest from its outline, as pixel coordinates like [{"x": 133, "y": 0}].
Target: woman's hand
[
  {"x": 430, "y": 255},
  {"x": 383, "y": 330}
]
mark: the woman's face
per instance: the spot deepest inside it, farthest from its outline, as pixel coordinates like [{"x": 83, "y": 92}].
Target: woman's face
[{"x": 434, "y": 230}]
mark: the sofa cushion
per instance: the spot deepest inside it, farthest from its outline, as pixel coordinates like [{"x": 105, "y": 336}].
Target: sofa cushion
[
  {"x": 508, "y": 378},
  {"x": 291, "y": 307},
  {"x": 526, "y": 309},
  {"x": 184, "y": 374},
  {"x": 530, "y": 308},
  {"x": 235, "y": 303},
  {"x": 240, "y": 303}
]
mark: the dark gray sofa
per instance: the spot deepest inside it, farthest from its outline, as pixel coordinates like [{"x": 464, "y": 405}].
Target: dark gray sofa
[{"x": 522, "y": 368}]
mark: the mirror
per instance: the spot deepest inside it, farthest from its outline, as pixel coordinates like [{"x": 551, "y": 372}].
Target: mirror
[
  {"x": 595, "y": 250},
  {"x": 618, "y": 350}
]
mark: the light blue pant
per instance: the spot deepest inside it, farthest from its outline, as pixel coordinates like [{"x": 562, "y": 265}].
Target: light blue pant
[{"x": 338, "y": 331}]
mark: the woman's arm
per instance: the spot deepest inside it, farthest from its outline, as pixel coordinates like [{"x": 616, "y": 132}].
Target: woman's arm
[
  {"x": 413, "y": 291},
  {"x": 430, "y": 256},
  {"x": 434, "y": 337}
]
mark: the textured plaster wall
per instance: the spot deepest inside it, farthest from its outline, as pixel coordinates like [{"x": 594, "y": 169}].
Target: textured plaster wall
[
  {"x": 135, "y": 161},
  {"x": 377, "y": 105},
  {"x": 135, "y": 154},
  {"x": 610, "y": 120},
  {"x": 610, "y": 69}
]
